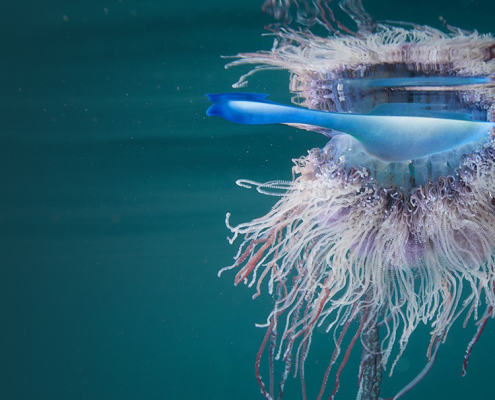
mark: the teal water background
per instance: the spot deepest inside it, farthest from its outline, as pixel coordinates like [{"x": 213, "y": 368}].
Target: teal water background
[{"x": 115, "y": 187}]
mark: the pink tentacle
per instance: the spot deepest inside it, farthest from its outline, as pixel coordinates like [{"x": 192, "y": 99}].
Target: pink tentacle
[
  {"x": 423, "y": 372},
  {"x": 481, "y": 326}
]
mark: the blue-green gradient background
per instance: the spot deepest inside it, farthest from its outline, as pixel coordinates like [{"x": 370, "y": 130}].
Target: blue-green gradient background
[{"x": 115, "y": 187}]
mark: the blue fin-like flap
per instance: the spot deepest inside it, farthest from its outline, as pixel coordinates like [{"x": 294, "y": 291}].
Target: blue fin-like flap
[
  {"x": 217, "y": 98},
  {"x": 232, "y": 106},
  {"x": 392, "y": 132}
]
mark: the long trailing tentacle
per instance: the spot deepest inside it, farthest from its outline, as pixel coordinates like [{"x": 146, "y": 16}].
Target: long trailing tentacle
[
  {"x": 423, "y": 373},
  {"x": 309, "y": 12},
  {"x": 488, "y": 314},
  {"x": 355, "y": 9}
]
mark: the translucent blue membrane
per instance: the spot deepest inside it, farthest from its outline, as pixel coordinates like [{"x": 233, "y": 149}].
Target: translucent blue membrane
[
  {"x": 391, "y": 138},
  {"x": 420, "y": 81}
]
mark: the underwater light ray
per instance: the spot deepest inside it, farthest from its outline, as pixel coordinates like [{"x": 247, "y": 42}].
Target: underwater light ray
[{"x": 392, "y": 223}]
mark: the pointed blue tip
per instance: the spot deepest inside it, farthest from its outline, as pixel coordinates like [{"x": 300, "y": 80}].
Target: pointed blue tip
[
  {"x": 222, "y": 104},
  {"x": 211, "y": 111}
]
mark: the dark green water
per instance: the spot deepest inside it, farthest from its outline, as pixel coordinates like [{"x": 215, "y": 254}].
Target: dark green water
[{"x": 115, "y": 187}]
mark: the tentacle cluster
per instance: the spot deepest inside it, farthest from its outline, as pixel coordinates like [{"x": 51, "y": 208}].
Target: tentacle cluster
[
  {"x": 336, "y": 238},
  {"x": 421, "y": 48}
]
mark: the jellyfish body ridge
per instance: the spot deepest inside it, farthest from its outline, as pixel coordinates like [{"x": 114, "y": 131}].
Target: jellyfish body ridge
[{"x": 388, "y": 138}]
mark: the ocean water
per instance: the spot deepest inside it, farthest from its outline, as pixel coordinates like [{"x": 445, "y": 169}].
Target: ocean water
[{"x": 115, "y": 186}]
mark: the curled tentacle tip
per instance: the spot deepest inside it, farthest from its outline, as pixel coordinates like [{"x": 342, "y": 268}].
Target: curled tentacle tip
[{"x": 244, "y": 183}]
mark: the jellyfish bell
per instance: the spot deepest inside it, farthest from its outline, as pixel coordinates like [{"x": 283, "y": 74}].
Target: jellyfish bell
[{"x": 391, "y": 223}]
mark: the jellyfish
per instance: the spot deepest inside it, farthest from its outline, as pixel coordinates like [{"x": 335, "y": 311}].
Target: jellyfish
[{"x": 391, "y": 224}]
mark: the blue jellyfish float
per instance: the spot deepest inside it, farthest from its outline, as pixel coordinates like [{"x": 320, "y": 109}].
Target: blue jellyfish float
[{"x": 392, "y": 223}]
